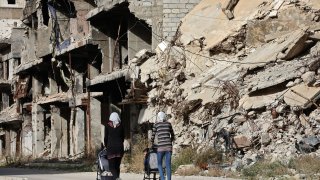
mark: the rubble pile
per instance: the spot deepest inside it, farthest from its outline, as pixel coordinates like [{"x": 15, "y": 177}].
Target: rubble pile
[{"x": 248, "y": 85}]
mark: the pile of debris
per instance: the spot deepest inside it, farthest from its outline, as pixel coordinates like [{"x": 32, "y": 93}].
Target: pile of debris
[{"x": 249, "y": 84}]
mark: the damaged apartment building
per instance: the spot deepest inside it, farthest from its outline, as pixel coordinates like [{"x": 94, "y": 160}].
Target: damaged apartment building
[
  {"x": 10, "y": 55},
  {"x": 69, "y": 69}
]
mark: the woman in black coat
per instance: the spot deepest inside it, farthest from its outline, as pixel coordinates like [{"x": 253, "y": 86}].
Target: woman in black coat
[{"x": 113, "y": 140}]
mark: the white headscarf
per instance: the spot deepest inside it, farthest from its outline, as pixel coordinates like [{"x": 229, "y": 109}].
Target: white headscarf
[
  {"x": 114, "y": 117},
  {"x": 161, "y": 116}
]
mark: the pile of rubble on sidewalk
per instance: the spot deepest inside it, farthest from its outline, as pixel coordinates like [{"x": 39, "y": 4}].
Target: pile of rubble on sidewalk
[{"x": 250, "y": 84}]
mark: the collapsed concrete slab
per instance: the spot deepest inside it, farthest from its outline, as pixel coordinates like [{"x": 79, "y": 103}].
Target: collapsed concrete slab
[
  {"x": 263, "y": 31},
  {"x": 302, "y": 96},
  {"x": 255, "y": 102},
  {"x": 275, "y": 75},
  {"x": 207, "y": 95},
  {"x": 108, "y": 77},
  {"x": 286, "y": 47},
  {"x": 221, "y": 72},
  {"x": 208, "y": 20}
]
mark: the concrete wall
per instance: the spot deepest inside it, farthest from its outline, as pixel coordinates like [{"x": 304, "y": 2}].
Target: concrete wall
[
  {"x": 28, "y": 53},
  {"x": 17, "y": 42},
  {"x": 151, "y": 12},
  {"x": 13, "y": 143},
  {"x": 10, "y": 13},
  {"x": 18, "y": 4},
  {"x": 6, "y": 27},
  {"x": 173, "y": 11},
  {"x": 95, "y": 124},
  {"x": 26, "y": 136}
]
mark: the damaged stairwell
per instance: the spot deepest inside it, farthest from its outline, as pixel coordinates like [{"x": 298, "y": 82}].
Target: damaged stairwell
[{"x": 255, "y": 76}]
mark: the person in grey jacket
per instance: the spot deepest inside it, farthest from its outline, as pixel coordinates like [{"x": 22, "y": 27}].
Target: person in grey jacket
[{"x": 165, "y": 136}]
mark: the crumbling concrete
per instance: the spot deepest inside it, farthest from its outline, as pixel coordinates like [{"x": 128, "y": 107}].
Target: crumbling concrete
[
  {"x": 244, "y": 84},
  {"x": 253, "y": 77},
  {"x": 302, "y": 96}
]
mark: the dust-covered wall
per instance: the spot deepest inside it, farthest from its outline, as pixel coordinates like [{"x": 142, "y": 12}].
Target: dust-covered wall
[
  {"x": 163, "y": 15},
  {"x": 15, "y": 4},
  {"x": 173, "y": 11}
]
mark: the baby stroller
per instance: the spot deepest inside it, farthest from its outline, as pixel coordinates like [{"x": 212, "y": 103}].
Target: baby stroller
[
  {"x": 103, "y": 170},
  {"x": 150, "y": 164}
]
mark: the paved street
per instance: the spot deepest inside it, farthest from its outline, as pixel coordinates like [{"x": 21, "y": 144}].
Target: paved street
[{"x": 33, "y": 174}]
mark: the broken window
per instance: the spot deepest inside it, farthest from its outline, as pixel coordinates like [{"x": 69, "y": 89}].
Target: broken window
[
  {"x": 6, "y": 70},
  {"x": 11, "y": 101},
  {"x": 45, "y": 12},
  {"x": 22, "y": 87},
  {"x": 5, "y": 101},
  {"x": 3, "y": 144},
  {"x": 1, "y": 71},
  {"x": 11, "y": 1}
]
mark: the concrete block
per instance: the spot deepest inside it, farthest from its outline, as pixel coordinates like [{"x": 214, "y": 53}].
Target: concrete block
[
  {"x": 184, "y": 10},
  {"x": 194, "y": 1},
  {"x": 172, "y": 24},
  {"x": 167, "y": 20},
  {"x": 176, "y": 11},
  {"x": 167, "y": 11},
  {"x": 173, "y": 15},
  {"x": 166, "y": 29},
  {"x": 242, "y": 141},
  {"x": 181, "y": 15},
  {"x": 173, "y": 6},
  {"x": 302, "y": 95},
  {"x": 184, "y": 1},
  {"x": 189, "y": 6},
  {"x": 165, "y": 6},
  {"x": 181, "y": 6},
  {"x": 174, "y": 29},
  {"x": 170, "y": 1},
  {"x": 147, "y": 4},
  {"x": 175, "y": 19}
]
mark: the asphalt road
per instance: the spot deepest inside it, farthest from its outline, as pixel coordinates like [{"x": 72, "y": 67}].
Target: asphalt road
[{"x": 33, "y": 174}]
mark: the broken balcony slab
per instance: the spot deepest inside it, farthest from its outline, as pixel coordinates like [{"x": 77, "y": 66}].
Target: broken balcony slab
[
  {"x": 256, "y": 102},
  {"x": 103, "y": 78},
  {"x": 285, "y": 47},
  {"x": 59, "y": 97},
  {"x": 302, "y": 96},
  {"x": 10, "y": 114},
  {"x": 276, "y": 74},
  {"x": 99, "y": 11},
  {"x": 5, "y": 83},
  {"x": 82, "y": 99},
  {"x": 72, "y": 45},
  {"x": 24, "y": 67},
  {"x": 7, "y": 56},
  {"x": 208, "y": 20},
  {"x": 30, "y": 8}
]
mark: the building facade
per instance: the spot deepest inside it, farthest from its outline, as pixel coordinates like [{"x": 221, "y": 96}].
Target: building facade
[{"x": 68, "y": 69}]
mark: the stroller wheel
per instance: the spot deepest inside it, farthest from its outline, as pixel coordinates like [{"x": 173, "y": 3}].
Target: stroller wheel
[{"x": 98, "y": 173}]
